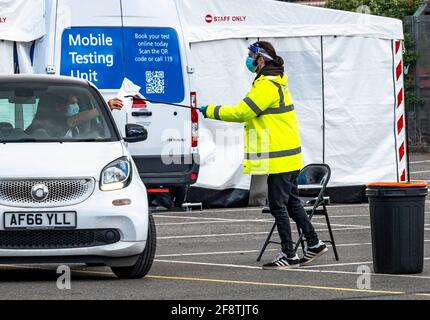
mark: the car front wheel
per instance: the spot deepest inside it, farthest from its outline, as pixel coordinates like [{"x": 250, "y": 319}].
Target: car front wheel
[{"x": 144, "y": 263}]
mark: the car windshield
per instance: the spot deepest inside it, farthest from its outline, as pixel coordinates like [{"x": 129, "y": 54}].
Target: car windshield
[{"x": 35, "y": 112}]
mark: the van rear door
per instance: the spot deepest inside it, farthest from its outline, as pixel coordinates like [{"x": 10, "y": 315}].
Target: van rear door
[{"x": 155, "y": 60}]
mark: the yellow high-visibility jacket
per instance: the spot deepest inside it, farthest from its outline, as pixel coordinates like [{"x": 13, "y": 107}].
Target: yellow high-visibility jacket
[{"x": 272, "y": 137}]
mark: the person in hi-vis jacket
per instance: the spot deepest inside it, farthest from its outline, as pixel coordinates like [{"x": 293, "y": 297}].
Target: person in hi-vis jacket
[{"x": 273, "y": 148}]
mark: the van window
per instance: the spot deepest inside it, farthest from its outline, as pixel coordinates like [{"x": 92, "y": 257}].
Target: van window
[
  {"x": 7, "y": 114},
  {"x": 44, "y": 113},
  {"x": 28, "y": 113},
  {"x": 19, "y": 116},
  {"x": 148, "y": 56}
]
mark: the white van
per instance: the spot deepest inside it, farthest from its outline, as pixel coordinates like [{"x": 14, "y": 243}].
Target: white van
[
  {"x": 106, "y": 41},
  {"x": 69, "y": 190}
]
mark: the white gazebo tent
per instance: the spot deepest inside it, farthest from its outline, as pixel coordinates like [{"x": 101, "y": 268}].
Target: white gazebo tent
[
  {"x": 345, "y": 74},
  {"x": 21, "y": 23}
]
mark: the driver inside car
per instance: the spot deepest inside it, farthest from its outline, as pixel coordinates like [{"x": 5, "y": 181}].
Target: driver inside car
[{"x": 59, "y": 117}]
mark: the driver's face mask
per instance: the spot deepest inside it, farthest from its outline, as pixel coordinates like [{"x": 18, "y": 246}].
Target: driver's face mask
[{"x": 72, "y": 110}]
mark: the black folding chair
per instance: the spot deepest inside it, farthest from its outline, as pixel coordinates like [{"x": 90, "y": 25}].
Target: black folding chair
[{"x": 312, "y": 183}]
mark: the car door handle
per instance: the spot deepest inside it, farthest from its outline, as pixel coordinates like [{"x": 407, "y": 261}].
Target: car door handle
[{"x": 143, "y": 113}]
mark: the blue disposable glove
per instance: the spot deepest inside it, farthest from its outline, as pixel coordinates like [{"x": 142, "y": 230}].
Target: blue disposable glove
[{"x": 203, "y": 110}]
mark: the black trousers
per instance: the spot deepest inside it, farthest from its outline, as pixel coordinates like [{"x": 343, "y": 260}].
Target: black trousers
[{"x": 284, "y": 202}]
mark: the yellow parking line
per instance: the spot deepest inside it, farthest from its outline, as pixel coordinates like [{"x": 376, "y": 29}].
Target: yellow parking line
[
  {"x": 268, "y": 284},
  {"x": 50, "y": 269},
  {"x": 245, "y": 282},
  {"x": 95, "y": 272},
  {"x": 297, "y": 286}
]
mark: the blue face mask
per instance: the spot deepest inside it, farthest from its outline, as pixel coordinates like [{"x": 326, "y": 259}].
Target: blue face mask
[
  {"x": 250, "y": 64},
  {"x": 72, "y": 110}
]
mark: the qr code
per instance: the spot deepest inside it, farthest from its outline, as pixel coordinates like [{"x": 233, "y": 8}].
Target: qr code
[{"x": 154, "y": 82}]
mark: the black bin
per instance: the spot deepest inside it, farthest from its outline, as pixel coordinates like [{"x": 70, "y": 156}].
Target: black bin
[{"x": 397, "y": 213}]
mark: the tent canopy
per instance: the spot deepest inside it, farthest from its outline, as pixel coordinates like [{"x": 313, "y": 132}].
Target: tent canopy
[
  {"x": 226, "y": 19},
  {"x": 340, "y": 66},
  {"x": 22, "y": 20}
]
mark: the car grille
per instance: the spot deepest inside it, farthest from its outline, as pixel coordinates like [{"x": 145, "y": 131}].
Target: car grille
[
  {"x": 57, "y": 239},
  {"x": 64, "y": 192}
]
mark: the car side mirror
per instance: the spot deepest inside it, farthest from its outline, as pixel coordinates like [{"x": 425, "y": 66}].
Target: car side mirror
[{"x": 135, "y": 133}]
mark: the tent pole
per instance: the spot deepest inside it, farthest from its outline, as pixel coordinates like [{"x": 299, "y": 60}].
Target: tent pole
[{"x": 407, "y": 144}]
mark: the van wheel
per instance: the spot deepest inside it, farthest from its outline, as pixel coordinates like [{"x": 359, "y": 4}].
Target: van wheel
[{"x": 144, "y": 263}]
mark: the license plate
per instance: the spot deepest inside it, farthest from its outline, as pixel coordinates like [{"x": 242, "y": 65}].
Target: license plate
[{"x": 39, "y": 220}]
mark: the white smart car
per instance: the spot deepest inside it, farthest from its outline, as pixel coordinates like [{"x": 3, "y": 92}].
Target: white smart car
[{"x": 69, "y": 190}]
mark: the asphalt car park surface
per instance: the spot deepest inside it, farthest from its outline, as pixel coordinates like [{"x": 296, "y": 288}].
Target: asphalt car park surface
[{"x": 211, "y": 254}]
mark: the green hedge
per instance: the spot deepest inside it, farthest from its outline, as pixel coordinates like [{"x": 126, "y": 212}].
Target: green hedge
[
  {"x": 394, "y": 9},
  {"x": 388, "y": 8}
]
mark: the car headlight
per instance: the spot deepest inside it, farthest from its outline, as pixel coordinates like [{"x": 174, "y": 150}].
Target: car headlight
[{"x": 116, "y": 175}]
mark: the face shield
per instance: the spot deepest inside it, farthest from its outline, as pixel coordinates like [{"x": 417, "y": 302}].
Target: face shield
[{"x": 257, "y": 51}]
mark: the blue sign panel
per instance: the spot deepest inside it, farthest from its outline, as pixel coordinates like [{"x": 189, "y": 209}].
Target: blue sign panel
[
  {"x": 148, "y": 56},
  {"x": 93, "y": 54},
  {"x": 152, "y": 61}
]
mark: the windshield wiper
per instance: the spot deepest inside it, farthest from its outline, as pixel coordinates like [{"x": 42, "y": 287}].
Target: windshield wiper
[
  {"x": 53, "y": 140},
  {"x": 26, "y": 140},
  {"x": 84, "y": 140},
  {"x": 89, "y": 140},
  {"x": 20, "y": 140}
]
